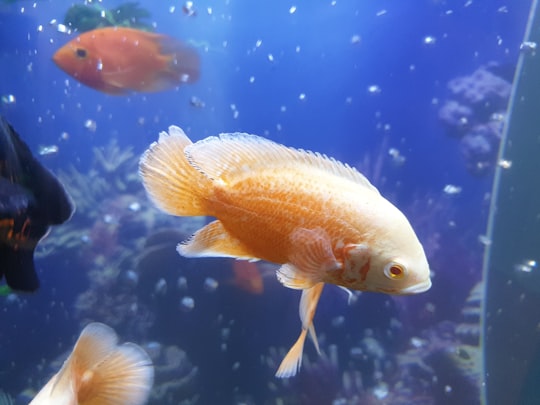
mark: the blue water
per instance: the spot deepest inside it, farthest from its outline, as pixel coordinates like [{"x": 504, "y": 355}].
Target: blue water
[{"x": 313, "y": 94}]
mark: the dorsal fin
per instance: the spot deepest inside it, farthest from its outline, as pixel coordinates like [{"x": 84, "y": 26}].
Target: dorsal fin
[{"x": 231, "y": 156}]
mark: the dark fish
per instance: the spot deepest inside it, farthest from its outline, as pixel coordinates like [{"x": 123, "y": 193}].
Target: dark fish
[{"x": 31, "y": 200}]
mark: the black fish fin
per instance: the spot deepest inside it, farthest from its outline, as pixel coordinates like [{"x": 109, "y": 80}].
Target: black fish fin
[
  {"x": 18, "y": 268},
  {"x": 52, "y": 203}
]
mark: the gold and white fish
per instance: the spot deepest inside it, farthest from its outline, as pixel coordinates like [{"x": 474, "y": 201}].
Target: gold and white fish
[
  {"x": 319, "y": 218},
  {"x": 100, "y": 372}
]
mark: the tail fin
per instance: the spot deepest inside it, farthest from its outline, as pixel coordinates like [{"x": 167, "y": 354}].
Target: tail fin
[
  {"x": 184, "y": 63},
  {"x": 99, "y": 372},
  {"x": 172, "y": 183}
]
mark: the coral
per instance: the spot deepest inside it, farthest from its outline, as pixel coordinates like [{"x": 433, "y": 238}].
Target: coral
[
  {"x": 456, "y": 117},
  {"x": 113, "y": 171},
  {"x": 175, "y": 376},
  {"x": 480, "y": 147},
  {"x": 438, "y": 364},
  {"x": 86, "y": 189},
  {"x": 111, "y": 158},
  {"x": 483, "y": 90},
  {"x": 70, "y": 238},
  {"x": 110, "y": 224},
  {"x": 474, "y": 112},
  {"x": 324, "y": 381}
]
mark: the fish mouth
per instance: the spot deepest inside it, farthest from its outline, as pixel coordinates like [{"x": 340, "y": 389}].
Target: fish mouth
[{"x": 417, "y": 288}]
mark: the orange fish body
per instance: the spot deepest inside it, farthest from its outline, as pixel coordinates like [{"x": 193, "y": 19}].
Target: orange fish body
[
  {"x": 247, "y": 277},
  {"x": 116, "y": 60},
  {"x": 320, "y": 219}
]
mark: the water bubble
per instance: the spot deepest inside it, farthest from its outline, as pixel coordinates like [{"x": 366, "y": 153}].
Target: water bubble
[
  {"x": 528, "y": 46},
  {"x": 90, "y": 125},
  {"x": 153, "y": 349},
  {"x": 134, "y": 206},
  {"x": 8, "y": 99},
  {"x": 181, "y": 284},
  {"x": 292, "y": 10},
  {"x": 12, "y": 299},
  {"x": 338, "y": 321},
  {"x": 429, "y": 40},
  {"x": 526, "y": 266},
  {"x": 396, "y": 156},
  {"x": 451, "y": 189},
  {"x": 63, "y": 29},
  {"x": 188, "y": 9},
  {"x": 497, "y": 117},
  {"x": 196, "y": 102},
  {"x": 417, "y": 342},
  {"x": 374, "y": 89},
  {"x": 132, "y": 277},
  {"x": 225, "y": 333},
  {"x": 109, "y": 219},
  {"x": 187, "y": 304},
  {"x": 484, "y": 240},
  {"x": 161, "y": 287},
  {"x": 381, "y": 391},
  {"x": 210, "y": 284},
  {"x": 356, "y": 353},
  {"x": 48, "y": 150},
  {"x": 355, "y": 39}
]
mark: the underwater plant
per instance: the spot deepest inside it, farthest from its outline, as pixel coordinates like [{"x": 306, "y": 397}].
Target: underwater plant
[{"x": 86, "y": 17}]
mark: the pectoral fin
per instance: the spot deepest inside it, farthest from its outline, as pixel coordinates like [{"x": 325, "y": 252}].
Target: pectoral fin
[{"x": 311, "y": 258}]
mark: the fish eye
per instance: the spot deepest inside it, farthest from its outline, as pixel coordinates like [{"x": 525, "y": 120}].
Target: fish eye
[
  {"x": 81, "y": 53},
  {"x": 394, "y": 271}
]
